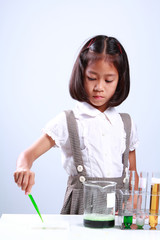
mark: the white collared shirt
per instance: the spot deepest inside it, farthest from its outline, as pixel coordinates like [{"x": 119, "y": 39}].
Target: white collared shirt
[{"x": 102, "y": 140}]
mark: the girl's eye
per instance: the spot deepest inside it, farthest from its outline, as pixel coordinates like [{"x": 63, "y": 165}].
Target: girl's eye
[
  {"x": 91, "y": 79},
  {"x": 108, "y": 81}
]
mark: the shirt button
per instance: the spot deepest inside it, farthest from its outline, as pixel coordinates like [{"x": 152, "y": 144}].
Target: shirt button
[
  {"x": 80, "y": 168},
  {"x": 82, "y": 179},
  {"x": 103, "y": 134}
]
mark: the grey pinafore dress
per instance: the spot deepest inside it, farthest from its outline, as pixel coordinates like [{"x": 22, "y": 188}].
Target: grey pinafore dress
[{"x": 73, "y": 201}]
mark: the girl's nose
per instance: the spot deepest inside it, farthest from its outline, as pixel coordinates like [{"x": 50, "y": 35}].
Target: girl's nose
[{"x": 98, "y": 86}]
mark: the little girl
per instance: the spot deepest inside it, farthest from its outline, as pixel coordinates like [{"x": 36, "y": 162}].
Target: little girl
[{"x": 96, "y": 141}]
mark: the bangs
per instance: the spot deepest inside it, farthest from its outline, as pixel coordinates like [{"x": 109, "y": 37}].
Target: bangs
[{"x": 116, "y": 60}]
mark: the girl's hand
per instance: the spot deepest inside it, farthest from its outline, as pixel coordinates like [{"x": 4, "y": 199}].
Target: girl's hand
[
  {"x": 23, "y": 176},
  {"x": 25, "y": 179}
]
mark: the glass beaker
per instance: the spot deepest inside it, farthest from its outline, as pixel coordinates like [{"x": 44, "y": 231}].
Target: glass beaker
[
  {"x": 99, "y": 204},
  {"x": 154, "y": 200}
]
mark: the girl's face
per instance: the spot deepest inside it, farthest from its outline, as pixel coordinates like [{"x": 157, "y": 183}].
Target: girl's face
[{"x": 100, "y": 83}]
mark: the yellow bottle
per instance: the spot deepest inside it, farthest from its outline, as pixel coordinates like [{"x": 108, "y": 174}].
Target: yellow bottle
[{"x": 154, "y": 205}]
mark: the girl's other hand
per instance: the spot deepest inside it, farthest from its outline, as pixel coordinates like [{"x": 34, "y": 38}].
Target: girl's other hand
[{"x": 25, "y": 179}]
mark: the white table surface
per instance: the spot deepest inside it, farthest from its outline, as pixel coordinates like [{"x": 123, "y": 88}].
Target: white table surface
[{"x": 29, "y": 226}]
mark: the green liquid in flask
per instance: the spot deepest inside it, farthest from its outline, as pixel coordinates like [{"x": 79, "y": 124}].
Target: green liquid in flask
[{"x": 98, "y": 221}]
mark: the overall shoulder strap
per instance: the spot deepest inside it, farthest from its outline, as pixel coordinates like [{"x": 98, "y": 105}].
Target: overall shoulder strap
[
  {"x": 74, "y": 141},
  {"x": 127, "y": 127}
]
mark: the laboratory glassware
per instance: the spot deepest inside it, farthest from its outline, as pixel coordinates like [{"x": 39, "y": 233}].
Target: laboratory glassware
[
  {"x": 154, "y": 200},
  {"x": 99, "y": 204}
]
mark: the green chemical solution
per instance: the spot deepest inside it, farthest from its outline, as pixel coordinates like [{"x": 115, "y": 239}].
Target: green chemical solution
[
  {"x": 98, "y": 221},
  {"x": 140, "y": 227},
  {"x": 140, "y": 222},
  {"x": 35, "y": 205},
  {"x": 128, "y": 221}
]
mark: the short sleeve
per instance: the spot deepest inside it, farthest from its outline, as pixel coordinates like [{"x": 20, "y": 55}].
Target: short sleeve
[
  {"x": 134, "y": 140},
  {"x": 57, "y": 129}
]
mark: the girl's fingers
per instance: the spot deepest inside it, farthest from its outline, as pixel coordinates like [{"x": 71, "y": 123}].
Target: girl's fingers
[
  {"x": 15, "y": 176},
  {"x": 31, "y": 182},
  {"x": 25, "y": 181},
  {"x": 19, "y": 179}
]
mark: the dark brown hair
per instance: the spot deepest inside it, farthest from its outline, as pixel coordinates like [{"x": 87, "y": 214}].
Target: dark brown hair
[{"x": 107, "y": 48}]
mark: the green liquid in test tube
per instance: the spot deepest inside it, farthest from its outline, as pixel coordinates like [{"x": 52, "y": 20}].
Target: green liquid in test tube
[
  {"x": 35, "y": 206},
  {"x": 128, "y": 221}
]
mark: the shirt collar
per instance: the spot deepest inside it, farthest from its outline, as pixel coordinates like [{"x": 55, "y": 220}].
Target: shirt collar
[{"x": 83, "y": 109}]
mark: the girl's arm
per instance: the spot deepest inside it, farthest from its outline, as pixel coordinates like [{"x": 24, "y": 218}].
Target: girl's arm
[
  {"x": 23, "y": 176},
  {"x": 132, "y": 166}
]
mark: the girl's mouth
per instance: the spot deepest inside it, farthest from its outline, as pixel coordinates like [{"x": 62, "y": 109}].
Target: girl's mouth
[{"x": 98, "y": 97}]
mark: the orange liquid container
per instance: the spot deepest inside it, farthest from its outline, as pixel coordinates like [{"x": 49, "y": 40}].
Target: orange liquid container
[{"x": 154, "y": 205}]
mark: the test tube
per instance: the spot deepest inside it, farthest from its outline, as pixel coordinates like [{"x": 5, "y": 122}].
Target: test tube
[
  {"x": 143, "y": 181},
  {"x": 129, "y": 202},
  {"x": 154, "y": 200},
  {"x": 142, "y": 199}
]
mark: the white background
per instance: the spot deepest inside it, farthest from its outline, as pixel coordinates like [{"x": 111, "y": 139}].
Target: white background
[{"x": 39, "y": 41}]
